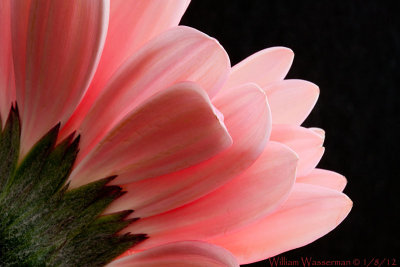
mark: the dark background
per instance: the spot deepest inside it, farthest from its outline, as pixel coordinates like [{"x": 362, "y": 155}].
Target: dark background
[{"x": 351, "y": 50}]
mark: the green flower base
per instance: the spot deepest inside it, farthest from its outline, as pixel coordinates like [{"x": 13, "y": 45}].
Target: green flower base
[{"x": 42, "y": 221}]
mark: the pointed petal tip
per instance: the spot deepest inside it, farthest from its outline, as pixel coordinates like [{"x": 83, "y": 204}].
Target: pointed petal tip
[
  {"x": 343, "y": 183},
  {"x": 349, "y": 205},
  {"x": 318, "y": 131},
  {"x": 307, "y": 144},
  {"x": 345, "y": 206},
  {"x": 289, "y": 52},
  {"x": 340, "y": 181},
  {"x": 292, "y": 100},
  {"x": 277, "y": 49},
  {"x": 283, "y": 52},
  {"x": 325, "y": 178},
  {"x": 264, "y": 67}
]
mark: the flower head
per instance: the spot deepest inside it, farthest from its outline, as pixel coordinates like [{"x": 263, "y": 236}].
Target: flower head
[{"x": 135, "y": 134}]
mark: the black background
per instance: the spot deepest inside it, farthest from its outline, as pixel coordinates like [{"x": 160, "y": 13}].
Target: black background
[{"x": 351, "y": 50}]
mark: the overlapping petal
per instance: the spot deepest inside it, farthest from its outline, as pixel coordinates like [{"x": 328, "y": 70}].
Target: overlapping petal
[
  {"x": 180, "y": 254},
  {"x": 309, "y": 213},
  {"x": 180, "y": 54},
  {"x": 305, "y": 142},
  {"x": 247, "y": 198},
  {"x": 7, "y": 86},
  {"x": 132, "y": 24},
  {"x": 247, "y": 118},
  {"x": 263, "y": 68},
  {"x": 173, "y": 130},
  {"x": 324, "y": 178},
  {"x": 291, "y": 101},
  {"x": 56, "y": 48}
]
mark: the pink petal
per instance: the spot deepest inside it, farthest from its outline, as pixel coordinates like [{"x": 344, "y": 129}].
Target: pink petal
[
  {"x": 56, "y": 48},
  {"x": 263, "y": 68},
  {"x": 310, "y": 213},
  {"x": 180, "y": 254},
  {"x": 173, "y": 130},
  {"x": 291, "y": 100},
  {"x": 7, "y": 86},
  {"x": 248, "y": 121},
  {"x": 132, "y": 24},
  {"x": 180, "y": 54},
  {"x": 324, "y": 178},
  {"x": 305, "y": 142},
  {"x": 245, "y": 199},
  {"x": 318, "y": 131}
]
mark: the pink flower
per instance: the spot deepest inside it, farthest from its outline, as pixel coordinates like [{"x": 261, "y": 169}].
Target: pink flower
[{"x": 213, "y": 158}]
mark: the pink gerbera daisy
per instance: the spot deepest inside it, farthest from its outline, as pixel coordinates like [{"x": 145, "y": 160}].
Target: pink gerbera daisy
[{"x": 130, "y": 141}]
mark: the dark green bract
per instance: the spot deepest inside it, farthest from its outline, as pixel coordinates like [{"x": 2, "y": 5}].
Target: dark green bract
[{"x": 42, "y": 222}]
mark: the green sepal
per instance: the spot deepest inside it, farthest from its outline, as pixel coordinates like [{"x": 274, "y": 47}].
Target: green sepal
[
  {"x": 26, "y": 176},
  {"x": 98, "y": 232},
  {"x": 45, "y": 223},
  {"x": 9, "y": 148}
]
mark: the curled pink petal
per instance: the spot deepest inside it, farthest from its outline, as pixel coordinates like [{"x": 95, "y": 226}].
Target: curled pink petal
[
  {"x": 56, "y": 48},
  {"x": 245, "y": 199},
  {"x": 291, "y": 100},
  {"x": 248, "y": 121},
  {"x": 324, "y": 178},
  {"x": 305, "y": 142},
  {"x": 263, "y": 68},
  {"x": 132, "y": 24},
  {"x": 174, "y": 129},
  {"x": 180, "y": 254},
  {"x": 309, "y": 213},
  {"x": 180, "y": 54},
  {"x": 7, "y": 86}
]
